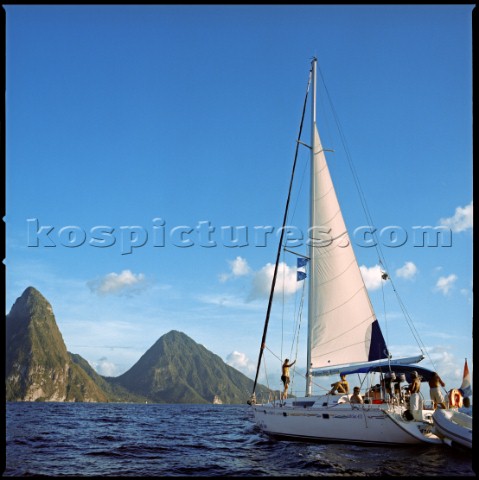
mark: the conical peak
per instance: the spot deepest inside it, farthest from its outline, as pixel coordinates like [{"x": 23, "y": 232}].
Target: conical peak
[
  {"x": 32, "y": 293},
  {"x": 32, "y": 296},
  {"x": 174, "y": 335},
  {"x": 31, "y": 300}
]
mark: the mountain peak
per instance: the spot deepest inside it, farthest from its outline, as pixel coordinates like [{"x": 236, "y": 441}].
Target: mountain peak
[
  {"x": 38, "y": 365},
  {"x": 177, "y": 369},
  {"x": 31, "y": 300},
  {"x": 31, "y": 291},
  {"x": 32, "y": 294}
]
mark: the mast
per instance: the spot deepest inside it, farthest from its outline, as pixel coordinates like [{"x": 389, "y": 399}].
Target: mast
[{"x": 312, "y": 262}]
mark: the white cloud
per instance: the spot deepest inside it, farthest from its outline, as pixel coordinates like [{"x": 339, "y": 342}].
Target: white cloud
[
  {"x": 286, "y": 281},
  {"x": 461, "y": 220},
  {"x": 371, "y": 276},
  {"x": 241, "y": 362},
  {"x": 239, "y": 268},
  {"x": 444, "y": 284},
  {"x": 123, "y": 283},
  {"x": 104, "y": 367},
  {"x": 408, "y": 271}
]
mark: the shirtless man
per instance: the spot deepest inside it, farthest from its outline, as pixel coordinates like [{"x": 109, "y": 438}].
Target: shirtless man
[
  {"x": 414, "y": 388},
  {"x": 435, "y": 392},
  {"x": 356, "y": 396}
]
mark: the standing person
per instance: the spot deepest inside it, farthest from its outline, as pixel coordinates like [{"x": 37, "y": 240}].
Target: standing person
[
  {"x": 342, "y": 386},
  {"x": 285, "y": 376},
  {"x": 435, "y": 392},
  {"x": 415, "y": 399}
]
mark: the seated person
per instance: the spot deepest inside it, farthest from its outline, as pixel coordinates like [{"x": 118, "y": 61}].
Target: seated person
[
  {"x": 341, "y": 387},
  {"x": 356, "y": 396},
  {"x": 374, "y": 392}
]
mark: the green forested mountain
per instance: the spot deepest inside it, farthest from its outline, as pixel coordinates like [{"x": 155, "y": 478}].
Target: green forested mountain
[
  {"x": 37, "y": 364},
  {"x": 174, "y": 370},
  {"x": 113, "y": 391},
  {"x": 178, "y": 370}
]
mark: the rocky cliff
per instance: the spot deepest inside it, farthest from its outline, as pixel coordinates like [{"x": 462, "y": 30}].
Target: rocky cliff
[{"x": 38, "y": 366}]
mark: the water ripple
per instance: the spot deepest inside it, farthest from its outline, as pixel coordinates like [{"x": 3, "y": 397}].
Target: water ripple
[{"x": 60, "y": 439}]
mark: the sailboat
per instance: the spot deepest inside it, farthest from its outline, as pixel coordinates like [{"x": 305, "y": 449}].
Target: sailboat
[{"x": 344, "y": 338}]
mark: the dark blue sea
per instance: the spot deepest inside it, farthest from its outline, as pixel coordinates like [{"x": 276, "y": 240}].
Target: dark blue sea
[{"x": 118, "y": 439}]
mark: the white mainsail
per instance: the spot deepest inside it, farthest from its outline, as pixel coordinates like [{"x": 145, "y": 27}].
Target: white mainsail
[{"x": 343, "y": 326}]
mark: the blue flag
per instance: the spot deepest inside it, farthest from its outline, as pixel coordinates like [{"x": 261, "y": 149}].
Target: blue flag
[
  {"x": 302, "y": 262},
  {"x": 300, "y": 275}
]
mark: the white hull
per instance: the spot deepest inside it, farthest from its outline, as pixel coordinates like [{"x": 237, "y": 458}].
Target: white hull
[
  {"x": 453, "y": 426},
  {"x": 325, "y": 418}
]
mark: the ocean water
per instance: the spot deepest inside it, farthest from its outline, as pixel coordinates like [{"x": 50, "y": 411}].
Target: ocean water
[{"x": 118, "y": 439}]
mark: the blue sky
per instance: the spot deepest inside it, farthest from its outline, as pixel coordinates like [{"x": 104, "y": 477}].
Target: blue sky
[{"x": 137, "y": 135}]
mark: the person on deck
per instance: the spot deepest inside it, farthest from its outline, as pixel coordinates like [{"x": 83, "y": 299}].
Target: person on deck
[
  {"x": 415, "y": 404},
  {"x": 285, "y": 376},
  {"x": 341, "y": 387},
  {"x": 435, "y": 392},
  {"x": 356, "y": 396}
]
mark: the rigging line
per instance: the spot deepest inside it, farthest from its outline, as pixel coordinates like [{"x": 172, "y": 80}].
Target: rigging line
[
  {"x": 273, "y": 283},
  {"x": 296, "y": 326},
  {"x": 296, "y": 313},
  {"x": 313, "y": 382},
  {"x": 300, "y": 316},
  {"x": 362, "y": 197},
  {"x": 409, "y": 321},
  {"x": 348, "y": 155},
  {"x": 295, "y": 253},
  {"x": 266, "y": 376},
  {"x": 366, "y": 210},
  {"x": 282, "y": 306},
  {"x": 272, "y": 353},
  {"x": 300, "y": 189}
]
